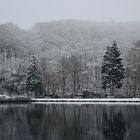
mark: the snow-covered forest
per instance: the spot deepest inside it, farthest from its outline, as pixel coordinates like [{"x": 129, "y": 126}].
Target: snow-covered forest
[{"x": 70, "y": 56}]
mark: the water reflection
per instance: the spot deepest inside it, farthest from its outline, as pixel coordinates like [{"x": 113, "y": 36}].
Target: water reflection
[
  {"x": 114, "y": 126},
  {"x": 69, "y": 122}
]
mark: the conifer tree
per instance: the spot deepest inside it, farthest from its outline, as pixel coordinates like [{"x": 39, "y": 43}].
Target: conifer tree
[
  {"x": 34, "y": 78},
  {"x": 112, "y": 68}
]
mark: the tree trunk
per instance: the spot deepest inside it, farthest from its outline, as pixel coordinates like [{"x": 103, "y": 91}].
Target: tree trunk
[{"x": 112, "y": 89}]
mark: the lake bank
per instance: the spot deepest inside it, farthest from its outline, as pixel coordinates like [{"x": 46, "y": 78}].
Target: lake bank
[
  {"x": 89, "y": 100},
  {"x": 50, "y": 100}
]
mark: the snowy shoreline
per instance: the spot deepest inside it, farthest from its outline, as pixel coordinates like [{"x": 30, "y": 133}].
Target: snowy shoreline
[
  {"x": 88, "y": 100},
  {"x": 41, "y": 100}
]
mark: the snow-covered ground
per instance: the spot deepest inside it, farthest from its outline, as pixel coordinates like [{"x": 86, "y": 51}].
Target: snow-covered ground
[
  {"x": 70, "y": 100},
  {"x": 128, "y": 100}
]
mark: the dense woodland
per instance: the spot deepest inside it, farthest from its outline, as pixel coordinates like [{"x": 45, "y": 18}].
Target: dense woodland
[{"x": 70, "y": 56}]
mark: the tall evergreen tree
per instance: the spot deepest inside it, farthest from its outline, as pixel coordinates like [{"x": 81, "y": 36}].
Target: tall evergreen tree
[
  {"x": 112, "y": 68},
  {"x": 34, "y": 78}
]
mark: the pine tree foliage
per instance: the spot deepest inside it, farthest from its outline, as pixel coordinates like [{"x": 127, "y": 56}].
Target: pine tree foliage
[
  {"x": 34, "y": 78},
  {"x": 112, "y": 68}
]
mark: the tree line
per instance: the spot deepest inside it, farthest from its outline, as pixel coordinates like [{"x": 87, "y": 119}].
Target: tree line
[{"x": 72, "y": 75}]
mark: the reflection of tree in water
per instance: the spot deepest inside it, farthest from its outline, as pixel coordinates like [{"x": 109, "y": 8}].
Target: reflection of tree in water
[
  {"x": 35, "y": 118},
  {"x": 54, "y": 122},
  {"x": 71, "y": 128},
  {"x": 69, "y": 122},
  {"x": 114, "y": 126}
]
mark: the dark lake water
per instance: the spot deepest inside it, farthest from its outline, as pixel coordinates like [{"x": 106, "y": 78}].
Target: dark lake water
[{"x": 69, "y": 122}]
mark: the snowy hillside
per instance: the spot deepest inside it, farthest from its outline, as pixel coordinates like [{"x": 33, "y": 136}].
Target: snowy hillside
[{"x": 52, "y": 42}]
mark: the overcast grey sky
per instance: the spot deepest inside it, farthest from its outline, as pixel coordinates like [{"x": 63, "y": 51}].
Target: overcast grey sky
[{"x": 27, "y": 12}]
